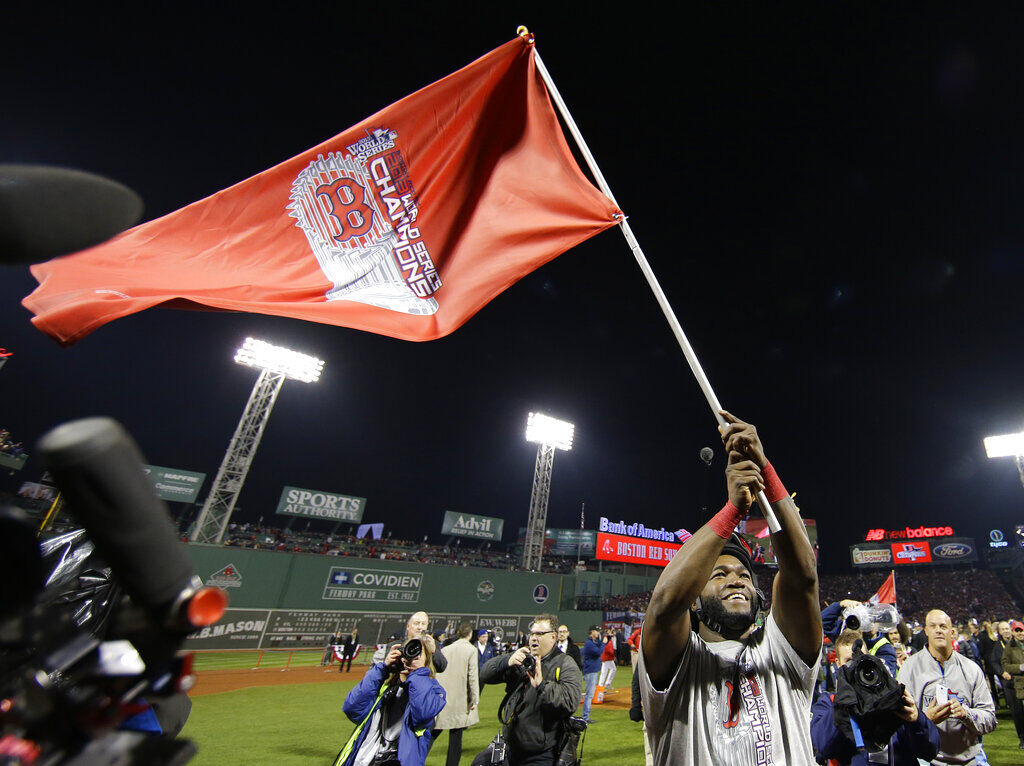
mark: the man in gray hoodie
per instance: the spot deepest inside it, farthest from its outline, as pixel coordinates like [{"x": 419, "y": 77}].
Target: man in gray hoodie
[{"x": 951, "y": 690}]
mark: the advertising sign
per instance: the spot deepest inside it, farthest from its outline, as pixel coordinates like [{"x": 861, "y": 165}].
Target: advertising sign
[
  {"x": 314, "y": 504},
  {"x": 471, "y": 525},
  {"x": 943, "y": 550},
  {"x": 635, "y": 529},
  {"x": 353, "y": 584},
  {"x": 174, "y": 484},
  {"x": 919, "y": 552},
  {"x": 907, "y": 533},
  {"x": 955, "y": 549},
  {"x": 566, "y": 542},
  {"x": 569, "y": 542},
  {"x": 870, "y": 555},
  {"x": 237, "y": 629},
  {"x": 634, "y": 550}
]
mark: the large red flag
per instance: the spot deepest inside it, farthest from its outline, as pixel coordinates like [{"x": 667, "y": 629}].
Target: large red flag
[
  {"x": 405, "y": 224},
  {"x": 887, "y": 593}
]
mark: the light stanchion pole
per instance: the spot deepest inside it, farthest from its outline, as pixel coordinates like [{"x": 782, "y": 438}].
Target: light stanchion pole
[
  {"x": 548, "y": 434},
  {"x": 275, "y": 365}
]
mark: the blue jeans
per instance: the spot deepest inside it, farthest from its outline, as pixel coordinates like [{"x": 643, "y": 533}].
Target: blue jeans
[{"x": 589, "y": 687}]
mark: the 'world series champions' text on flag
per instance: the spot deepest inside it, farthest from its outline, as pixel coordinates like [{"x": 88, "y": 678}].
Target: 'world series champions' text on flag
[{"x": 405, "y": 224}]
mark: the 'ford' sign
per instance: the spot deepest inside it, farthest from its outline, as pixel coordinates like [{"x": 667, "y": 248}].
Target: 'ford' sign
[{"x": 953, "y": 551}]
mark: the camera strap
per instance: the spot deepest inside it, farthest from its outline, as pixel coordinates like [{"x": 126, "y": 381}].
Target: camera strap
[{"x": 858, "y": 738}]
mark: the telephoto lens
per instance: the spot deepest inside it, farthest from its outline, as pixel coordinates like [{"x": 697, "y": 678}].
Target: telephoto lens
[
  {"x": 529, "y": 663},
  {"x": 413, "y": 648},
  {"x": 868, "y": 675}
]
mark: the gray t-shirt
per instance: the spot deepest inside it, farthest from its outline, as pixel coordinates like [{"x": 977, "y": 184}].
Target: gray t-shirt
[{"x": 700, "y": 719}]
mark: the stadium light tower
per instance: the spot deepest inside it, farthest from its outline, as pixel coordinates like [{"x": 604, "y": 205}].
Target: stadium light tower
[
  {"x": 1007, "y": 445},
  {"x": 548, "y": 434},
  {"x": 275, "y": 364}
]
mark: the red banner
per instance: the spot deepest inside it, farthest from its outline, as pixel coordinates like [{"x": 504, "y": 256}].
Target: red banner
[
  {"x": 406, "y": 224},
  {"x": 887, "y": 593},
  {"x": 635, "y": 550},
  {"x": 912, "y": 553}
]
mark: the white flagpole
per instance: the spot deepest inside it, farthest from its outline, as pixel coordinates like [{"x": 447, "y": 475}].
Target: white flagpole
[{"x": 645, "y": 267}]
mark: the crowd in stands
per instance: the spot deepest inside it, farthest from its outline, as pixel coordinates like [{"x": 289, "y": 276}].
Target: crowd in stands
[
  {"x": 472, "y": 555},
  {"x": 963, "y": 593},
  {"x": 8, "y": 447}
]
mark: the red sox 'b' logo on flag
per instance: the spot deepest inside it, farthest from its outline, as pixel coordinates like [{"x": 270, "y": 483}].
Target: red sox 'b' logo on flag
[{"x": 358, "y": 211}]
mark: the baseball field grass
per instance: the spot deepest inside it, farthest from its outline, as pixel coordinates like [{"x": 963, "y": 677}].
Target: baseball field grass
[{"x": 303, "y": 724}]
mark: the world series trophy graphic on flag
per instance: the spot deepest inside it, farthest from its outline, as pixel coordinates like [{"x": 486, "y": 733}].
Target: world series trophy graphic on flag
[{"x": 368, "y": 255}]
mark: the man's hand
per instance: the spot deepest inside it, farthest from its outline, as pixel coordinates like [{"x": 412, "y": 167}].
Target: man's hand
[
  {"x": 428, "y": 639},
  {"x": 1007, "y": 676},
  {"x": 849, "y": 603},
  {"x": 394, "y": 655},
  {"x": 956, "y": 710},
  {"x": 908, "y": 712},
  {"x": 537, "y": 675},
  {"x": 743, "y": 478},
  {"x": 937, "y": 713},
  {"x": 742, "y": 437},
  {"x": 518, "y": 655}
]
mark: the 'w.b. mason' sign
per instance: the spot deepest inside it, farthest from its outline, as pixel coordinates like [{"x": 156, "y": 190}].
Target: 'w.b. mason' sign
[{"x": 471, "y": 525}]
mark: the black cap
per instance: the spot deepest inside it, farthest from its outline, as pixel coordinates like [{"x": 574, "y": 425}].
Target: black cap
[
  {"x": 737, "y": 546},
  {"x": 594, "y": 627}
]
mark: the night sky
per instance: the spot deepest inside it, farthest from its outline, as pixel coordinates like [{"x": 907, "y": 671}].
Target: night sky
[{"x": 831, "y": 197}]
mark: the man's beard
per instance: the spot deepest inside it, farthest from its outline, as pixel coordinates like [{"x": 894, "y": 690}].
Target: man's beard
[{"x": 730, "y": 625}]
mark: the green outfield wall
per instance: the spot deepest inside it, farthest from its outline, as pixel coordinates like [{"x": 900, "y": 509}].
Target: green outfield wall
[{"x": 296, "y": 600}]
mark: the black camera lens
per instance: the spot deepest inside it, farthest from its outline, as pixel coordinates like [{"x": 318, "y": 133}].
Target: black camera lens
[
  {"x": 529, "y": 663},
  {"x": 853, "y": 622},
  {"x": 868, "y": 675},
  {"x": 413, "y": 648}
]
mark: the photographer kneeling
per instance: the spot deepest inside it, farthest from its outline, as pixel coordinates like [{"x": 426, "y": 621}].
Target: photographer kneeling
[
  {"x": 395, "y": 705},
  {"x": 542, "y": 691},
  {"x": 869, "y": 706}
]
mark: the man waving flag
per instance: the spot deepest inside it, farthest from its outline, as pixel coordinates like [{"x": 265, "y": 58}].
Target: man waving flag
[{"x": 405, "y": 224}]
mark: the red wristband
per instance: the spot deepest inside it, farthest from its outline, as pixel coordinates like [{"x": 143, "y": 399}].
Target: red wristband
[
  {"x": 773, "y": 487},
  {"x": 724, "y": 522}
]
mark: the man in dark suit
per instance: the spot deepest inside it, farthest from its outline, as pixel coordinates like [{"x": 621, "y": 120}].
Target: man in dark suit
[
  {"x": 485, "y": 649},
  {"x": 348, "y": 650},
  {"x": 568, "y": 646}
]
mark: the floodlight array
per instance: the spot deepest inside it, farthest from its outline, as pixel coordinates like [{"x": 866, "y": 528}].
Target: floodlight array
[
  {"x": 542, "y": 429},
  {"x": 1007, "y": 445},
  {"x": 292, "y": 364}
]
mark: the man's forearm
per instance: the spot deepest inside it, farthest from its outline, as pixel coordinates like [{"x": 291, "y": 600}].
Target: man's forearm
[
  {"x": 493, "y": 671},
  {"x": 795, "y": 603},
  {"x": 667, "y": 624},
  {"x": 792, "y": 547}
]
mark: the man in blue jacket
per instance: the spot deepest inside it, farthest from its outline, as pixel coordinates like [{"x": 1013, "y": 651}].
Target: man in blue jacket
[
  {"x": 591, "y": 667},
  {"x": 484, "y": 648},
  {"x": 875, "y": 643},
  {"x": 917, "y": 738}
]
